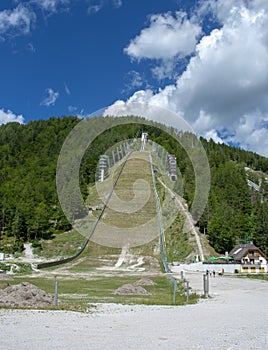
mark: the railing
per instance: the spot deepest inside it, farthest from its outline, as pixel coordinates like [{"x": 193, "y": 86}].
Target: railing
[
  {"x": 253, "y": 256},
  {"x": 162, "y": 237},
  {"x": 248, "y": 263},
  {"x": 159, "y": 219}
]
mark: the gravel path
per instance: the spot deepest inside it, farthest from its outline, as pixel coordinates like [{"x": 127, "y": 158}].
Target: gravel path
[{"x": 236, "y": 317}]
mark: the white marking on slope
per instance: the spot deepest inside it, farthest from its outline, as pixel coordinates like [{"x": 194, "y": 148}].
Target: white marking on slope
[
  {"x": 28, "y": 251},
  {"x": 121, "y": 257},
  {"x": 140, "y": 262}
]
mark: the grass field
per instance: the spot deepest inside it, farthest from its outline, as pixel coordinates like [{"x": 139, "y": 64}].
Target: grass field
[
  {"x": 62, "y": 245},
  {"x": 79, "y": 293}
]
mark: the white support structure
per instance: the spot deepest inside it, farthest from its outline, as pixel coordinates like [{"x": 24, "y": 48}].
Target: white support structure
[
  {"x": 144, "y": 139},
  {"x": 103, "y": 167},
  {"x": 172, "y": 161},
  {"x": 253, "y": 185}
]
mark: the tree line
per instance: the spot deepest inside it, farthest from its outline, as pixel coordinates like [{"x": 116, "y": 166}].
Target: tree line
[{"x": 30, "y": 210}]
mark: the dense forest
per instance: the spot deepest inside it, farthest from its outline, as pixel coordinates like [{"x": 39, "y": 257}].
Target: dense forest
[{"x": 29, "y": 206}]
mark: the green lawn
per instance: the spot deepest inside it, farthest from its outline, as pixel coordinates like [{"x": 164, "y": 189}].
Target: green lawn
[
  {"x": 79, "y": 293},
  {"x": 62, "y": 245}
]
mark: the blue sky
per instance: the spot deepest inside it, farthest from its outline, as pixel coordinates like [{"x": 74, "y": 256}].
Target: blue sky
[
  {"x": 206, "y": 60},
  {"x": 74, "y": 53}
]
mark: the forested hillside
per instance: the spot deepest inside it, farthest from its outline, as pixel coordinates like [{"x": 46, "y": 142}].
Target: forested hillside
[
  {"x": 28, "y": 199},
  {"x": 235, "y": 212}
]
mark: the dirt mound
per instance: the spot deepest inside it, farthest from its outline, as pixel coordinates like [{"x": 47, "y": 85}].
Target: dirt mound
[
  {"x": 131, "y": 289},
  {"x": 144, "y": 282},
  {"x": 25, "y": 295}
]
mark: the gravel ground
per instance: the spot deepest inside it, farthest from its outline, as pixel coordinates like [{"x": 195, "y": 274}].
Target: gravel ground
[{"x": 235, "y": 317}]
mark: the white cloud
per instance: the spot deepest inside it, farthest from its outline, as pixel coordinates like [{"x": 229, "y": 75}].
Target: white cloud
[
  {"x": 97, "y": 5},
  {"x": 21, "y": 19},
  {"x": 8, "y": 116},
  {"x": 117, "y": 3},
  {"x": 226, "y": 10},
  {"x": 80, "y": 113},
  {"x": 252, "y": 133},
  {"x": 136, "y": 79},
  {"x": 51, "y": 6},
  {"x": 133, "y": 80},
  {"x": 67, "y": 90},
  {"x": 143, "y": 104},
  {"x": 18, "y": 20},
  {"x": 213, "y": 135},
  {"x": 203, "y": 122},
  {"x": 221, "y": 9},
  {"x": 165, "y": 38},
  {"x": 224, "y": 85},
  {"x": 94, "y": 9},
  {"x": 167, "y": 69},
  {"x": 31, "y": 47},
  {"x": 72, "y": 109},
  {"x": 50, "y": 99}
]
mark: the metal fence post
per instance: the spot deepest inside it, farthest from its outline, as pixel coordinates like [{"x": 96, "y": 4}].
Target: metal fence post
[
  {"x": 187, "y": 292},
  {"x": 175, "y": 292},
  {"x": 206, "y": 284},
  {"x": 56, "y": 293}
]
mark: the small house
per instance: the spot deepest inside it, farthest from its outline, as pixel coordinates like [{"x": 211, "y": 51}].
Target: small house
[{"x": 251, "y": 258}]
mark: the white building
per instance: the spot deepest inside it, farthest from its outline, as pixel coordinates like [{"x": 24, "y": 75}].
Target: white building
[{"x": 251, "y": 258}]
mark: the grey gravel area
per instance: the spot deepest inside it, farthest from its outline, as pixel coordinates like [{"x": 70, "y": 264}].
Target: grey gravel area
[{"x": 235, "y": 317}]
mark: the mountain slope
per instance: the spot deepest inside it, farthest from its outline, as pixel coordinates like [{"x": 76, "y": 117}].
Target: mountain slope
[{"x": 29, "y": 206}]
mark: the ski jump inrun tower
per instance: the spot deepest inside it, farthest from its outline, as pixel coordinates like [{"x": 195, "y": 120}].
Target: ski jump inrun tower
[{"x": 144, "y": 139}]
